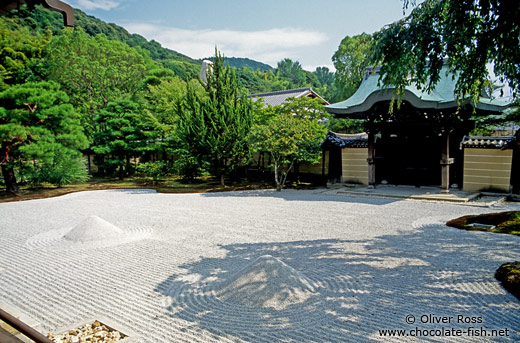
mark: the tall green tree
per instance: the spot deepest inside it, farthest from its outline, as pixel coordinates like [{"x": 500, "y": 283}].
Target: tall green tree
[
  {"x": 467, "y": 35},
  {"x": 324, "y": 75},
  {"x": 291, "y": 133},
  {"x": 162, "y": 100},
  {"x": 214, "y": 127},
  {"x": 160, "y": 116},
  {"x": 120, "y": 138},
  {"x": 291, "y": 70},
  {"x": 353, "y": 56},
  {"x": 37, "y": 124},
  {"x": 289, "y": 140},
  {"x": 95, "y": 71}
]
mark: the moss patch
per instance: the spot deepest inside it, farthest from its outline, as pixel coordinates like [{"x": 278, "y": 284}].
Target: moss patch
[
  {"x": 503, "y": 222},
  {"x": 509, "y": 275}
]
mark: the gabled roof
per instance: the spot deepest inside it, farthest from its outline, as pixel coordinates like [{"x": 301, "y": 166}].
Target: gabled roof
[
  {"x": 442, "y": 96},
  {"x": 279, "y": 97}
]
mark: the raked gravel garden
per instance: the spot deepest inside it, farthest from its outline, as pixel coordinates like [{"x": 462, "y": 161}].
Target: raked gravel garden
[{"x": 257, "y": 266}]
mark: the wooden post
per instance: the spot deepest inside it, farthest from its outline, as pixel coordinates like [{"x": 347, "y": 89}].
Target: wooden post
[
  {"x": 371, "y": 160},
  {"x": 445, "y": 163},
  {"x": 323, "y": 155}
]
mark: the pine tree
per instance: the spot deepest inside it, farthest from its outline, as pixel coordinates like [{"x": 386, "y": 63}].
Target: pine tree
[
  {"x": 120, "y": 137},
  {"x": 38, "y": 125}
]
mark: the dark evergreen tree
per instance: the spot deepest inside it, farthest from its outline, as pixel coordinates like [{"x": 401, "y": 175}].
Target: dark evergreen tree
[
  {"x": 120, "y": 138},
  {"x": 39, "y": 126},
  {"x": 214, "y": 127}
]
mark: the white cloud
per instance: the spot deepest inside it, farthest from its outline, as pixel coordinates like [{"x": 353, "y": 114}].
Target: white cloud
[
  {"x": 268, "y": 46},
  {"x": 96, "y": 4}
]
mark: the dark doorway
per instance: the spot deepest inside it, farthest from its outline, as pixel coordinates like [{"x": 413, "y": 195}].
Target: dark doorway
[
  {"x": 335, "y": 170},
  {"x": 408, "y": 157}
]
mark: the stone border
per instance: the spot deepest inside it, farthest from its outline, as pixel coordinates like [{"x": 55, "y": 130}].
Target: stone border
[{"x": 131, "y": 336}]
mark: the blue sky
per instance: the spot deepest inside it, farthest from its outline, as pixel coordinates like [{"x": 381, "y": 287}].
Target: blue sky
[{"x": 266, "y": 31}]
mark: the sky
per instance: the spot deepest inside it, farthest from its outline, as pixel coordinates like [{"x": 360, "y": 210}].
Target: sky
[{"x": 267, "y": 31}]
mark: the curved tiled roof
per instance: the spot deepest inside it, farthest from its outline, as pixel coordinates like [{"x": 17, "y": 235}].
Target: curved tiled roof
[{"x": 441, "y": 97}]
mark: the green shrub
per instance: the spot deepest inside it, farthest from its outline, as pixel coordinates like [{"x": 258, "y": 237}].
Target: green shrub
[
  {"x": 62, "y": 170},
  {"x": 155, "y": 169}
]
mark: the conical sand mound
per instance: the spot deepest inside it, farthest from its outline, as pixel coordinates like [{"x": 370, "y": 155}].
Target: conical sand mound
[
  {"x": 91, "y": 229},
  {"x": 267, "y": 282}
]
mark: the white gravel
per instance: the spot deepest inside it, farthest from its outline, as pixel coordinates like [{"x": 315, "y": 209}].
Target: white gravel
[
  {"x": 371, "y": 262},
  {"x": 94, "y": 228},
  {"x": 267, "y": 282}
]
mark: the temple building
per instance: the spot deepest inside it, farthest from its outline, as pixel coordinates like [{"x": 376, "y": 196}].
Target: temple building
[
  {"x": 424, "y": 142},
  {"x": 277, "y": 98}
]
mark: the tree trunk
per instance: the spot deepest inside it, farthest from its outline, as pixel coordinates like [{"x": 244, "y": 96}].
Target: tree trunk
[
  {"x": 9, "y": 179},
  {"x": 276, "y": 178},
  {"x": 121, "y": 172},
  {"x": 222, "y": 180}
]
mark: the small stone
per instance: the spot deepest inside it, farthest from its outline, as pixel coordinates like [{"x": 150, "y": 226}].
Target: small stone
[{"x": 89, "y": 333}]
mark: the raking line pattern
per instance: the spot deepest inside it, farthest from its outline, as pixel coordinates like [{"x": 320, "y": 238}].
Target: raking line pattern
[{"x": 372, "y": 262}]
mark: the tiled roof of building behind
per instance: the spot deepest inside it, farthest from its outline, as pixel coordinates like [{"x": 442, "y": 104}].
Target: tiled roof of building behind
[
  {"x": 279, "y": 97},
  {"x": 339, "y": 140}
]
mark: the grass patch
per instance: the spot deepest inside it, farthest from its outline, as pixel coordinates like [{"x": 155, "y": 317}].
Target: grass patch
[
  {"x": 509, "y": 275},
  {"x": 171, "y": 184},
  {"x": 503, "y": 222}
]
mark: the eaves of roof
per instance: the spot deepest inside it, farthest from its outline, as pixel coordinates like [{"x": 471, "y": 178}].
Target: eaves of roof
[{"x": 441, "y": 97}]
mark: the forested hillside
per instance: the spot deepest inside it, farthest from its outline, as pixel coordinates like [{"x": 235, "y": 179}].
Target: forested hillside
[
  {"x": 41, "y": 19},
  {"x": 254, "y": 76}
]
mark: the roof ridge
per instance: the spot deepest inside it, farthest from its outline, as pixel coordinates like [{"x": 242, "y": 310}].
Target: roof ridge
[{"x": 294, "y": 90}]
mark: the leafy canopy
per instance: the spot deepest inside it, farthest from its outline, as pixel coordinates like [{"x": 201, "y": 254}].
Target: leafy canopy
[
  {"x": 291, "y": 133},
  {"x": 468, "y": 35},
  {"x": 20, "y": 54},
  {"x": 95, "y": 71},
  {"x": 353, "y": 56}
]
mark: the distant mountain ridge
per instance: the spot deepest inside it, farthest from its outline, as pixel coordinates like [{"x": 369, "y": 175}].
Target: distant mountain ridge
[{"x": 241, "y": 62}]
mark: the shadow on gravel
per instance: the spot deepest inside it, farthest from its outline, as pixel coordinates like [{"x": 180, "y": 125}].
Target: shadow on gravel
[
  {"x": 304, "y": 195},
  {"x": 363, "y": 287}
]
